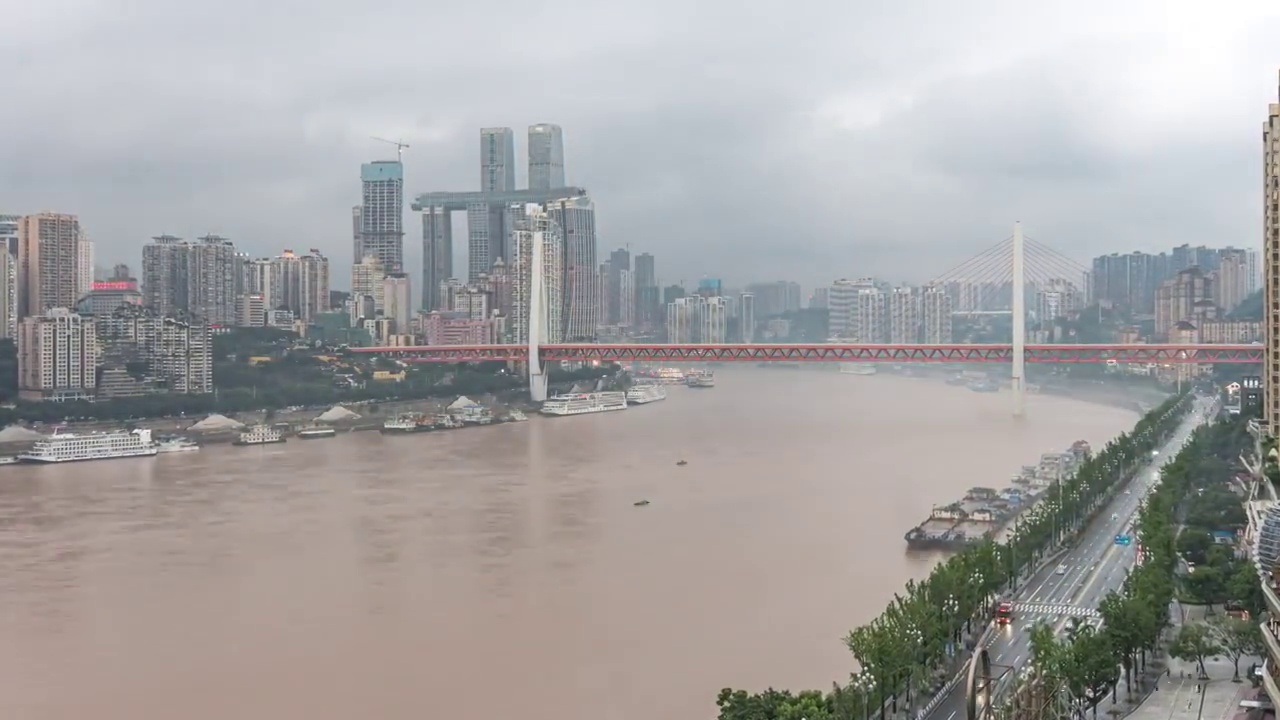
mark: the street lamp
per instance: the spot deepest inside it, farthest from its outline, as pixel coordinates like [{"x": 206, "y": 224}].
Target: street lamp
[{"x": 864, "y": 682}]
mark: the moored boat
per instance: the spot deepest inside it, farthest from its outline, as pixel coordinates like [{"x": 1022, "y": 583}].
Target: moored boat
[
  {"x": 646, "y": 393},
  {"x": 316, "y": 433},
  {"x": 177, "y": 445},
  {"x": 260, "y": 435},
  {"x": 74, "y": 447},
  {"x": 585, "y": 403}
]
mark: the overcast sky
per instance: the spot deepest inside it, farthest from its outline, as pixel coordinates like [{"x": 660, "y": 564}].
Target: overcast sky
[{"x": 745, "y": 140}]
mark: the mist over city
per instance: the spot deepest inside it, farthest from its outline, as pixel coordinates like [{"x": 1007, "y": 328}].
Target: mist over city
[
  {"x": 726, "y": 139},
  {"x": 911, "y": 361}
]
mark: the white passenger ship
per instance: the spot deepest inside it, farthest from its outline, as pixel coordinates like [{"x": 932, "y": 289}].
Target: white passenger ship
[
  {"x": 259, "y": 435},
  {"x": 641, "y": 394},
  {"x": 583, "y": 403},
  {"x": 72, "y": 447}
]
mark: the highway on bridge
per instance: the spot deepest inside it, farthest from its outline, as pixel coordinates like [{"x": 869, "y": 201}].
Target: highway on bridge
[{"x": 1076, "y": 583}]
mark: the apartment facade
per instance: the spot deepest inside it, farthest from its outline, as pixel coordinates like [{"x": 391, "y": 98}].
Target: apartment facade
[
  {"x": 51, "y": 263},
  {"x": 1271, "y": 262},
  {"x": 57, "y": 356}
]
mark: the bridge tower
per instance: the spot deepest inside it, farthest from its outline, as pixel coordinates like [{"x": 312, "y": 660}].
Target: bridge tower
[
  {"x": 538, "y": 308},
  {"x": 1019, "y": 322}
]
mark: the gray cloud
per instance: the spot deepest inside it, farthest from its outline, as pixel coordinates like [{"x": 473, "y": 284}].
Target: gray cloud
[{"x": 806, "y": 141}]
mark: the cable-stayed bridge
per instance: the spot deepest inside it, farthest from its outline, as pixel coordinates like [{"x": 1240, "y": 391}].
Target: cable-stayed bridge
[{"x": 993, "y": 282}]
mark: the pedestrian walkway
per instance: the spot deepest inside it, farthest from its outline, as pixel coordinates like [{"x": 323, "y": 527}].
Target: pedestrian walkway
[
  {"x": 1044, "y": 611},
  {"x": 1180, "y": 695}
]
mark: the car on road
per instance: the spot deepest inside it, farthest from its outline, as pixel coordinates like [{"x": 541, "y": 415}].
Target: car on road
[
  {"x": 1115, "y": 516},
  {"x": 1062, "y": 570}
]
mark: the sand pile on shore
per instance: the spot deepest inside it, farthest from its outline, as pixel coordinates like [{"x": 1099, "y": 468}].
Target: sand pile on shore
[
  {"x": 337, "y": 413},
  {"x": 17, "y": 433},
  {"x": 216, "y": 422}
]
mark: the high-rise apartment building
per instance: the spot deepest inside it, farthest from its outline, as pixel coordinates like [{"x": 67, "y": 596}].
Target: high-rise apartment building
[
  {"x": 747, "y": 317},
  {"x": 546, "y": 157},
  {"x": 437, "y": 253},
  {"x": 164, "y": 275},
  {"x": 648, "y": 300},
  {"x": 1232, "y": 280},
  {"x": 1187, "y": 296},
  {"x": 627, "y": 298},
  {"x": 536, "y": 238},
  {"x": 1271, "y": 262},
  {"x": 619, "y": 262},
  {"x": 178, "y": 354},
  {"x": 57, "y": 356},
  {"x": 8, "y": 295},
  {"x": 857, "y": 311},
  {"x": 213, "y": 273},
  {"x": 904, "y": 315},
  {"x": 576, "y": 219},
  {"x": 935, "y": 315},
  {"x": 382, "y": 213},
  {"x": 300, "y": 283},
  {"x": 498, "y": 160},
  {"x": 396, "y": 294},
  {"x": 356, "y": 245},
  {"x": 698, "y": 319},
  {"x": 51, "y": 263},
  {"x": 367, "y": 281}
]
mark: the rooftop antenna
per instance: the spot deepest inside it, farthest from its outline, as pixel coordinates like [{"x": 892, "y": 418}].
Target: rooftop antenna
[{"x": 400, "y": 147}]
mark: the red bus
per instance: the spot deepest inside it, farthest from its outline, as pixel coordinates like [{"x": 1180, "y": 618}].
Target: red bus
[{"x": 1004, "y": 612}]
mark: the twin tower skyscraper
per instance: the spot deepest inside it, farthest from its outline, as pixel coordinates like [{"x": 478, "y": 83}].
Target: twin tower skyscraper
[{"x": 498, "y": 158}]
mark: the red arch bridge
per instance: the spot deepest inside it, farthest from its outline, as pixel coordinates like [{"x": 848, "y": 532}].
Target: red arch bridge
[{"x": 827, "y": 352}]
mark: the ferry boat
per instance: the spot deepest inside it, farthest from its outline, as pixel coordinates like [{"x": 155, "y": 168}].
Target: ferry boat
[
  {"x": 584, "y": 403},
  {"x": 663, "y": 376},
  {"x": 71, "y": 447},
  {"x": 316, "y": 433},
  {"x": 516, "y": 416},
  {"x": 177, "y": 445},
  {"x": 401, "y": 424},
  {"x": 9, "y": 460},
  {"x": 641, "y": 394},
  {"x": 417, "y": 422},
  {"x": 857, "y": 369},
  {"x": 700, "y": 379},
  {"x": 260, "y": 435}
]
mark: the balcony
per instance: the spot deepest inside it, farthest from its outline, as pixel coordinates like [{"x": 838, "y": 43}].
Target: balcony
[
  {"x": 1271, "y": 638},
  {"x": 1273, "y": 601},
  {"x": 1271, "y": 679}
]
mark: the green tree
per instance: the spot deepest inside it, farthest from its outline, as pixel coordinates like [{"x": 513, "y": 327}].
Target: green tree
[
  {"x": 1237, "y": 638},
  {"x": 1195, "y": 642}
]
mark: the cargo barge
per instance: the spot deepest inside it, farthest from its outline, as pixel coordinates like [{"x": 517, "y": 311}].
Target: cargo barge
[{"x": 983, "y": 512}]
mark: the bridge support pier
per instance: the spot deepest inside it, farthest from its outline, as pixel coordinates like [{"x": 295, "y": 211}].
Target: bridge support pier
[
  {"x": 1019, "y": 354},
  {"x": 537, "y": 319}
]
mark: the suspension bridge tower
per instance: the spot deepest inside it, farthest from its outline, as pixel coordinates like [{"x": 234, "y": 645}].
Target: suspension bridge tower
[
  {"x": 538, "y": 320},
  {"x": 1019, "y": 310},
  {"x": 997, "y": 283}
]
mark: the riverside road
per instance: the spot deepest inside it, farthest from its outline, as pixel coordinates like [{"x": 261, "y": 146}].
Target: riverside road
[{"x": 1074, "y": 584}]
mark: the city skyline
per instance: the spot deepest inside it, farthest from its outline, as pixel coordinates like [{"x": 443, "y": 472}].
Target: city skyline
[{"x": 1137, "y": 159}]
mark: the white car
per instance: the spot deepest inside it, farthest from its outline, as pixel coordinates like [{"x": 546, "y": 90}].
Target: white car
[{"x": 1062, "y": 570}]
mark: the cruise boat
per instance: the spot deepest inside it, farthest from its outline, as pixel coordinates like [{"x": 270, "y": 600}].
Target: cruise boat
[
  {"x": 71, "y": 447},
  {"x": 316, "y": 433},
  {"x": 857, "y": 369},
  {"x": 260, "y": 435},
  {"x": 584, "y": 403},
  {"x": 177, "y": 445},
  {"x": 700, "y": 379},
  {"x": 402, "y": 424},
  {"x": 641, "y": 394}
]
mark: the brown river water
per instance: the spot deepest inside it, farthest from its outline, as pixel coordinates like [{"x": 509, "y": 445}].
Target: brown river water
[{"x": 498, "y": 572}]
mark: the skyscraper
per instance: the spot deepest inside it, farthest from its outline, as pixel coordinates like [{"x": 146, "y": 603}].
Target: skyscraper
[
  {"x": 382, "y": 213},
  {"x": 1271, "y": 261},
  {"x": 619, "y": 262},
  {"x": 497, "y": 160},
  {"x": 213, "y": 269},
  {"x": 437, "y": 254},
  {"x": 576, "y": 217},
  {"x": 51, "y": 263},
  {"x": 535, "y": 234},
  {"x": 546, "y": 157},
  {"x": 164, "y": 275},
  {"x": 648, "y": 301}
]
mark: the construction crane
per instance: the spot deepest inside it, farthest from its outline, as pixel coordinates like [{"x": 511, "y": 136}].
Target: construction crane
[{"x": 400, "y": 147}]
